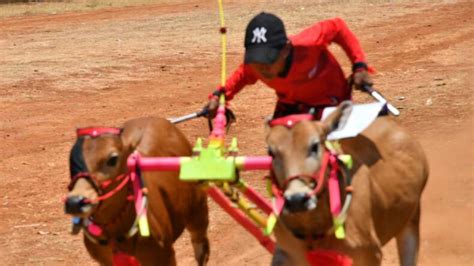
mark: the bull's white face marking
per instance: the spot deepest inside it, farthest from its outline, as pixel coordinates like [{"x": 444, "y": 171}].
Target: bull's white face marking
[{"x": 259, "y": 35}]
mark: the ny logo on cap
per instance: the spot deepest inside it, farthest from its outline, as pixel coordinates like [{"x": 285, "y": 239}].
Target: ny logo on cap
[{"x": 259, "y": 35}]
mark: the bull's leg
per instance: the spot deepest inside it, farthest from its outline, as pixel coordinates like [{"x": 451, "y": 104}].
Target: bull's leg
[
  {"x": 197, "y": 227},
  {"x": 101, "y": 254},
  {"x": 369, "y": 256},
  {"x": 153, "y": 252},
  {"x": 280, "y": 258},
  {"x": 289, "y": 250},
  {"x": 408, "y": 241}
]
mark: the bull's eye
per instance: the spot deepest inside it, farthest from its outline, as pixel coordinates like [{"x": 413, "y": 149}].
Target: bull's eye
[
  {"x": 112, "y": 160},
  {"x": 313, "y": 149}
]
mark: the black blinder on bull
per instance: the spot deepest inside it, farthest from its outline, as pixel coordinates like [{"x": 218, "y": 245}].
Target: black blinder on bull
[
  {"x": 76, "y": 159},
  {"x": 78, "y": 168},
  {"x": 77, "y": 164}
]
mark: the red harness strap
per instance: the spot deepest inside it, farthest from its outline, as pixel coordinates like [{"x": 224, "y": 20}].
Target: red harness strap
[
  {"x": 319, "y": 177},
  {"x": 97, "y": 184},
  {"x": 97, "y": 131},
  {"x": 100, "y": 186},
  {"x": 290, "y": 120},
  {"x": 113, "y": 191},
  {"x": 123, "y": 259},
  {"x": 322, "y": 257}
]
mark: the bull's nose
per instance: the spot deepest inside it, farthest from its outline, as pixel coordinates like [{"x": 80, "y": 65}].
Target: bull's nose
[
  {"x": 296, "y": 202},
  {"x": 74, "y": 205}
]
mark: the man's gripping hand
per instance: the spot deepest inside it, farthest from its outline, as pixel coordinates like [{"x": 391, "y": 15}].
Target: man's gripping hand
[
  {"x": 213, "y": 104},
  {"x": 361, "y": 76}
]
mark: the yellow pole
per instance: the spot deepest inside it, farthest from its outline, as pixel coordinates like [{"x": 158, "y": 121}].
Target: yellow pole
[
  {"x": 244, "y": 204},
  {"x": 223, "y": 31}
]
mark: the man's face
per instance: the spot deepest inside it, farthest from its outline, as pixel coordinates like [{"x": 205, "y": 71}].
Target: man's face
[{"x": 271, "y": 71}]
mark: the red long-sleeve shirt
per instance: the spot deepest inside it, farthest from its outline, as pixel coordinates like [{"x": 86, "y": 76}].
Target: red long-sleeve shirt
[{"x": 315, "y": 77}]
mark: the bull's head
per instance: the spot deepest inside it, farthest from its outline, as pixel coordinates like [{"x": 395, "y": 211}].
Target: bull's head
[
  {"x": 298, "y": 151},
  {"x": 97, "y": 166}
]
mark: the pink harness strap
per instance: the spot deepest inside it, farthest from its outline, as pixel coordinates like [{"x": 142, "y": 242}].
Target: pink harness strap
[
  {"x": 94, "y": 229},
  {"x": 333, "y": 186}
]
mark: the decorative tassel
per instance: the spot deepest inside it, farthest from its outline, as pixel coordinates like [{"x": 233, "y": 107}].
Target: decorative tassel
[
  {"x": 327, "y": 258},
  {"x": 271, "y": 222},
  {"x": 123, "y": 259}
]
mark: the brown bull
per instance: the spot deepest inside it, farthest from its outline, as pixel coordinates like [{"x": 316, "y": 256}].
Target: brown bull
[
  {"x": 389, "y": 174},
  {"x": 98, "y": 166}
]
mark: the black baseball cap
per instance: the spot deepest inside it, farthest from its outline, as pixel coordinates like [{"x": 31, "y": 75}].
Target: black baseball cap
[{"x": 265, "y": 36}]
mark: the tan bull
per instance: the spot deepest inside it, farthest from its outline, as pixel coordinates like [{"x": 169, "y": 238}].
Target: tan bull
[
  {"x": 389, "y": 174},
  {"x": 98, "y": 164}
]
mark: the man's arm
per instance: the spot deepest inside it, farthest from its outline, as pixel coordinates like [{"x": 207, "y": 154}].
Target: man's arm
[
  {"x": 241, "y": 77},
  {"x": 335, "y": 30}
]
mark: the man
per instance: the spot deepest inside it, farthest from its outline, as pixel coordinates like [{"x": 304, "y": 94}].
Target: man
[{"x": 301, "y": 69}]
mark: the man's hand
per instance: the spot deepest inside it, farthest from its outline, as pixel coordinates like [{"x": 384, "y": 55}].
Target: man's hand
[
  {"x": 212, "y": 106},
  {"x": 361, "y": 79},
  {"x": 213, "y": 103},
  {"x": 360, "y": 76}
]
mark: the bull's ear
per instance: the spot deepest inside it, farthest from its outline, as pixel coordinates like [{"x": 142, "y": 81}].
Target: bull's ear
[
  {"x": 268, "y": 119},
  {"x": 338, "y": 118},
  {"x": 131, "y": 136}
]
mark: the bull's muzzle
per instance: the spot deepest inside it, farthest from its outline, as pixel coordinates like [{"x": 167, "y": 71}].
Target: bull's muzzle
[
  {"x": 299, "y": 202},
  {"x": 76, "y": 205}
]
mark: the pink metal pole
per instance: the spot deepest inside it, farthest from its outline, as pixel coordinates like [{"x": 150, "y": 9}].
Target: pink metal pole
[
  {"x": 255, "y": 162},
  {"x": 240, "y": 217},
  {"x": 219, "y": 122},
  {"x": 258, "y": 199},
  {"x": 153, "y": 163},
  {"x": 160, "y": 163}
]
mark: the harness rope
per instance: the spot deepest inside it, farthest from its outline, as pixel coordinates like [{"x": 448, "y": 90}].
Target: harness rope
[
  {"x": 333, "y": 162},
  {"x": 93, "y": 231},
  {"x": 327, "y": 174},
  {"x": 101, "y": 185}
]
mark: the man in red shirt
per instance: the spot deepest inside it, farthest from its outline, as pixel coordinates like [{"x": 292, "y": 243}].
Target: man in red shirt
[{"x": 300, "y": 68}]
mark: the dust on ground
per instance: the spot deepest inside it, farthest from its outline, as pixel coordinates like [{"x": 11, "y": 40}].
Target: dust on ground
[{"x": 62, "y": 71}]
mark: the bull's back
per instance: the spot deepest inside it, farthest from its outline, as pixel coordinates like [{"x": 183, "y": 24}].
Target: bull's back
[
  {"x": 171, "y": 200},
  {"x": 392, "y": 167},
  {"x": 401, "y": 165},
  {"x": 155, "y": 136}
]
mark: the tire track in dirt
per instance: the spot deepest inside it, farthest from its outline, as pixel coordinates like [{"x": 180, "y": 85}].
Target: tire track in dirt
[{"x": 417, "y": 36}]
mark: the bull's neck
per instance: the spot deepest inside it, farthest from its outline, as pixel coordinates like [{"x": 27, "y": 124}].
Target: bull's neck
[{"x": 115, "y": 215}]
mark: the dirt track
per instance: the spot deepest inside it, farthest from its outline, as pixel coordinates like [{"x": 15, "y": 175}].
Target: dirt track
[{"x": 79, "y": 69}]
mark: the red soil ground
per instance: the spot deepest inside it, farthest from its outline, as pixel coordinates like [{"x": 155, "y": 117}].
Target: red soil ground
[{"x": 59, "y": 72}]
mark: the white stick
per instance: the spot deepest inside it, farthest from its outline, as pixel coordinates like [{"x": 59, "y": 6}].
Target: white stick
[{"x": 381, "y": 99}]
